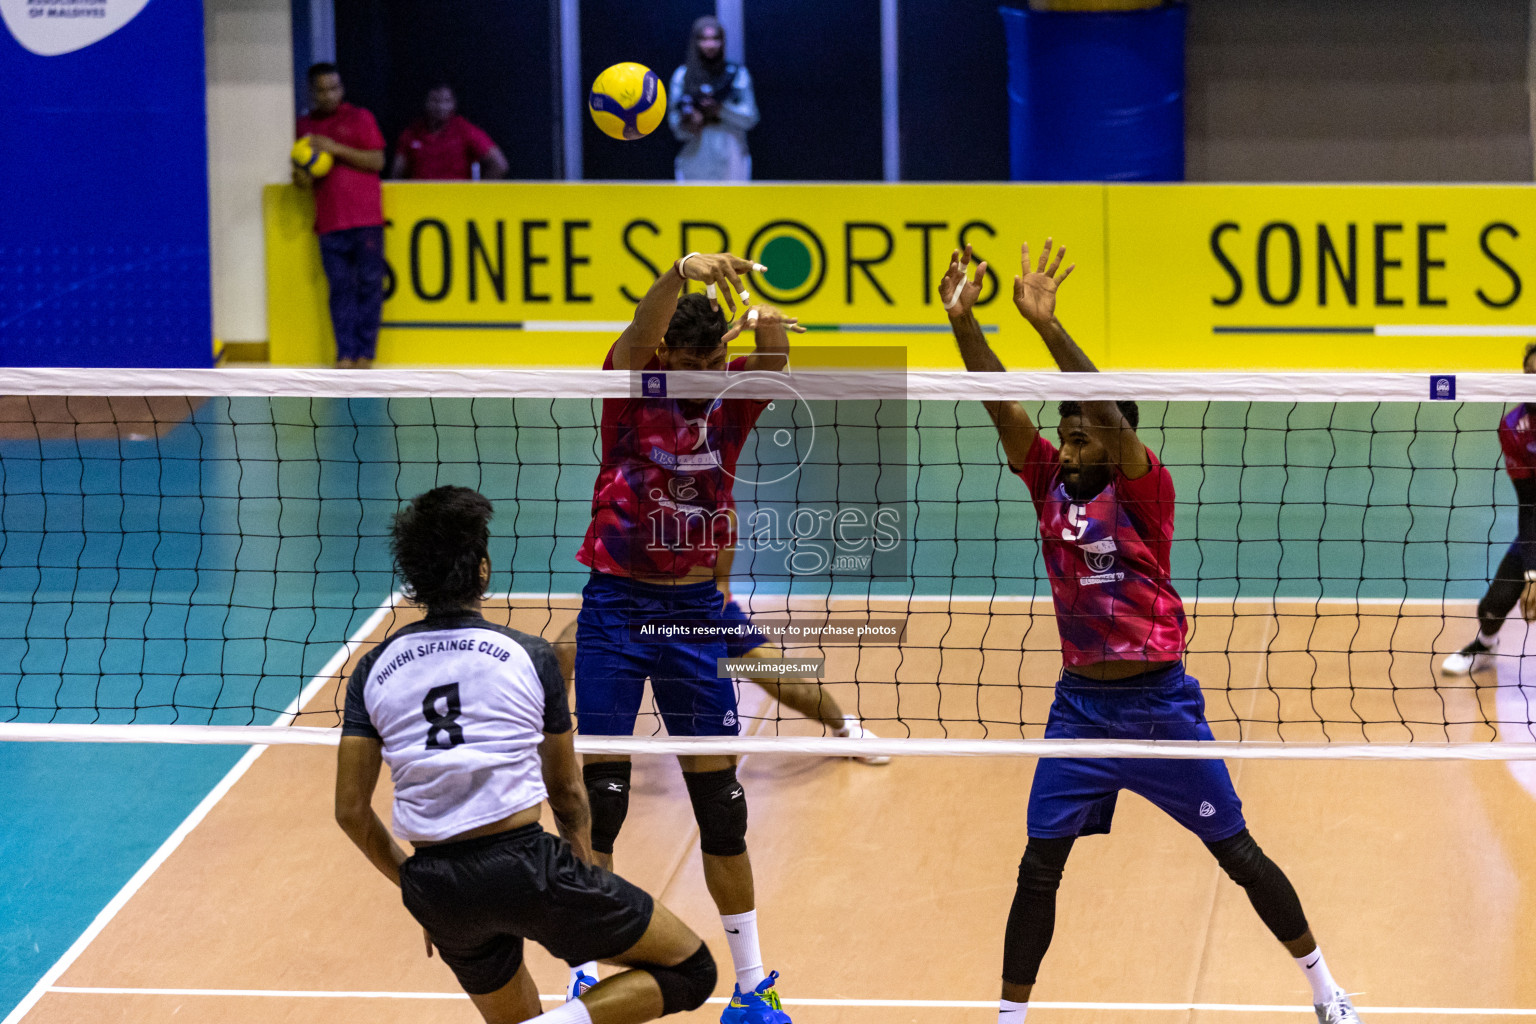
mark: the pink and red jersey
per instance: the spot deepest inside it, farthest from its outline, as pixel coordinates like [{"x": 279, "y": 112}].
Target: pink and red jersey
[
  {"x": 662, "y": 503},
  {"x": 1108, "y": 560},
  {"x": 1517, "y": 437}
]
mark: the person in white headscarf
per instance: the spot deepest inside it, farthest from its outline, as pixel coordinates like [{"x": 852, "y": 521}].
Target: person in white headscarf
[{"x": 711, "y": 109}]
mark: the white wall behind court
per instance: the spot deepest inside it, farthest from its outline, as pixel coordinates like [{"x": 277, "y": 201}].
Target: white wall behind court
[{"x": 249, "y": 46}]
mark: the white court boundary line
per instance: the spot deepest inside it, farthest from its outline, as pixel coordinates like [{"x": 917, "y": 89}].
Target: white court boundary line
[
  {"x": 217, "y": 793},
  {"x": 963, "y": 1004},
  {"x": 826, "y": 746}
]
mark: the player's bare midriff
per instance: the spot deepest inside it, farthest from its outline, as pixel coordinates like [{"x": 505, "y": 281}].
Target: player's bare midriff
[
  {"x": 527, "y": 816},
  {"x": 1111, "y": 671}
]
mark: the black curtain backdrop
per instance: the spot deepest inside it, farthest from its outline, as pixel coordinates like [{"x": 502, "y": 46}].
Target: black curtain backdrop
[
  {"x": 654, "y": 34},
  {"x": 497, "y": 55},
  {"x": 815, "y": 64},
  {"x": 954, "y": 91}
]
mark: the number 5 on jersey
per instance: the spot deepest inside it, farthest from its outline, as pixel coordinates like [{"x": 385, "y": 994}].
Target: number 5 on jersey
[
  {"x": 444, "y": 733},
  {"x": 1077, "y": 515}
]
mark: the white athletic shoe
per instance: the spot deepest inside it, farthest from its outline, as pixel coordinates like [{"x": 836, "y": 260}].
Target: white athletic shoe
[
  {"x": 853, "y": 729},
  {"x": 1474, "y": 657},
  {"x": 1338, "y": 1010}
]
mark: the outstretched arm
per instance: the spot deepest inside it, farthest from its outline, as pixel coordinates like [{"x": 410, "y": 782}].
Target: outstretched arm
[
  {"x": 1014, "y": 427},
  {"x": 1034, "y": 293},
  {"x": 645, "y": 332}
]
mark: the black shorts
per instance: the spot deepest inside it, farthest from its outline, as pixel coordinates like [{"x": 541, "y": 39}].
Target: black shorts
[{"x": 480, "y": 898}]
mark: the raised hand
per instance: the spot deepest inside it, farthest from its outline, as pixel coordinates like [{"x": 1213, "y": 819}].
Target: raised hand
[
  {"x": 717, "y": 269},
  {"x": 757, "y": 317},
  {"x": 1034, "y": 292},
  {"x": 956, "y": 292}
]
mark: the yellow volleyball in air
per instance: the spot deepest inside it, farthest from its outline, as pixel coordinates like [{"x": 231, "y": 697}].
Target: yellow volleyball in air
[{"x": 628, "y": 101}]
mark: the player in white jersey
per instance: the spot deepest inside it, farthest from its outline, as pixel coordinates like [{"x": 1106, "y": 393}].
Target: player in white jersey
[{"x": 473, "y": 721}]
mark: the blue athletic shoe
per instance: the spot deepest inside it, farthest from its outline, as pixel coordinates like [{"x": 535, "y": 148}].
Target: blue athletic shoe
[
  {"x": 760, "y": 1006},
  {"x": 579, "y": 984}
]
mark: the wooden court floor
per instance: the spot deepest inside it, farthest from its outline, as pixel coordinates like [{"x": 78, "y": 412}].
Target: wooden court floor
[{"x": 893, "y": 883}]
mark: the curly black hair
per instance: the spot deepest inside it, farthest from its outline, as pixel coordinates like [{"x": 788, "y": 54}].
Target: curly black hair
[
  {"x": 1127, "y": 409},
  {"x": 695, "y": 325},
  {"x": 438, "y": 542}
]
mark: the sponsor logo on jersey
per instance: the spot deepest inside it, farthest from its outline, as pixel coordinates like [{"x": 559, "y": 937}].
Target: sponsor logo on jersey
[
  {"x": 695, "y": 461},
  {"x": 663, "y": 458},
  {"x": 1206, "y": 810},
  {"x": 1100, "y": 555},
  {"x": 1109, "y": 577}
]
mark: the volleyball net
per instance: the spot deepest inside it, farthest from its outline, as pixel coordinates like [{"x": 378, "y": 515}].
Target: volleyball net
[{"x": 199, "y": 556}]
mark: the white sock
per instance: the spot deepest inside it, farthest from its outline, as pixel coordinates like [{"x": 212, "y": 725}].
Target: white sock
[
  {"x": 849, "y": 722},
  {"x": 589, "y": 969},
  {"x": 1316, "y": 969},
  {"x": 741, "y": 936},
  {"x": 573, "y": 1012},
  {"x": 1010, "y": 1012},
  {"x": 1486, "y": 640}
]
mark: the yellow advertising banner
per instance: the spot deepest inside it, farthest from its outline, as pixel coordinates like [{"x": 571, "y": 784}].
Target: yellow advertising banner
[{"x": 1168, "y": 277}]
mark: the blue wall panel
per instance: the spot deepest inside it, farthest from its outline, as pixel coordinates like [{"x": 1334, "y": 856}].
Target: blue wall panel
[
  {"x": 104, "y": 241},
  {"x": 1096, "y": 97}
]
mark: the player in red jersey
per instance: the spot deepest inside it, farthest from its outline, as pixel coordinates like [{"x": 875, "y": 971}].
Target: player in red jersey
[
  {"x": 662, "y": 510},
  {"x": 1514, "y": 581},
  {"x": 1106, "y": 509}
]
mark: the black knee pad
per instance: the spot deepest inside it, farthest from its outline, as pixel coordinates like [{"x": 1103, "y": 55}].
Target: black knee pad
[
  {"x": 687, "y": 985},
  {"x": 608, "y": 794},
  {"x": 720, "y": 808},
  {"x": 1042, "y": 864},
  {"x": 1241, "y": 858}
]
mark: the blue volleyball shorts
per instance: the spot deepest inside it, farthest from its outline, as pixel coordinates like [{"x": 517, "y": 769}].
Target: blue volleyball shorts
[
  {"x": 1076, "y": 796},
  {"x": 613, "y": 662}
]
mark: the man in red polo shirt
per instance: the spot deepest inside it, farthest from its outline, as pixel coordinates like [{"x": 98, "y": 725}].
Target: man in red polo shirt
[
  {"x": 442, "y": 146},
  {"x": 349, "y": 214}
]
